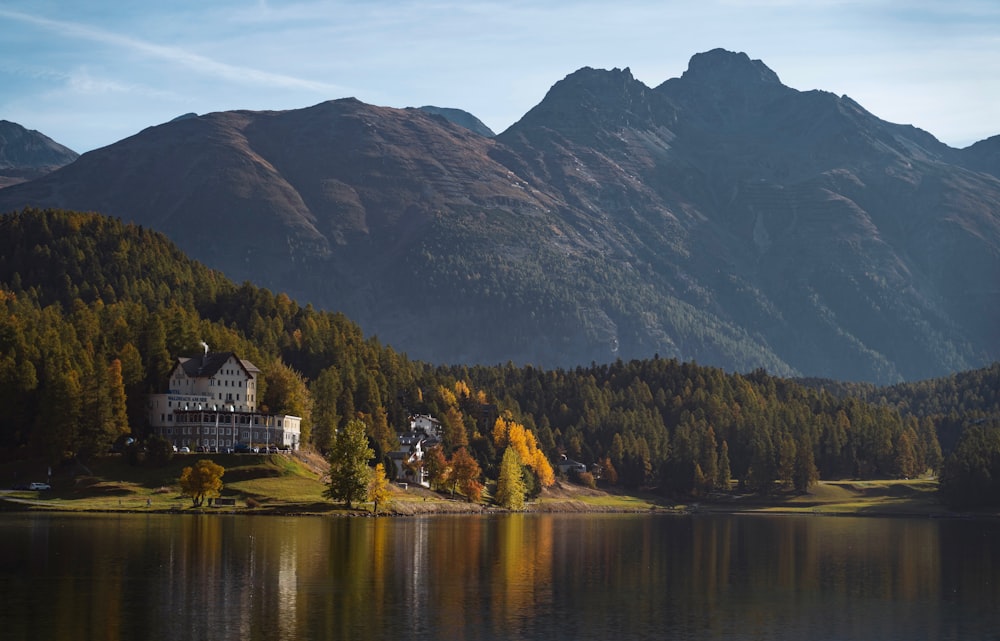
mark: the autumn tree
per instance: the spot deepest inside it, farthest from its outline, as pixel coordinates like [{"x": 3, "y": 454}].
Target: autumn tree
[
  {"x": 465, "y": 474},
  {"x": 349, "y": 456},
  {"x": 510, "y": 485},
  {"x": 608, "y": 472},
  {"x": 436, "y": 466},
  {"x": 202, "y": 480},
  {"x": 513, "y": 434},
  {"x": 378, "y": 488}
]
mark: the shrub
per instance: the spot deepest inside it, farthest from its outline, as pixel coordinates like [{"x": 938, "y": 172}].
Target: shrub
[{"x": 585, "y": 479}]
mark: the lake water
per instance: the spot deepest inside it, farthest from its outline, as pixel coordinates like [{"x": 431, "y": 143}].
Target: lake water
[{"x": 213, "y": 577}]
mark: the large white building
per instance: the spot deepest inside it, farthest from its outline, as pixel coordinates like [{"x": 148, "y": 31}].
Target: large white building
[{"x": 212, "y": 403}]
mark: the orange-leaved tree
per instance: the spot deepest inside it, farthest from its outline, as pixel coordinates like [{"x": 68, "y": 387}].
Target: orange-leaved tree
[
  {"x": 507, "y": 432},
  {"x": 465, "y": 474}
]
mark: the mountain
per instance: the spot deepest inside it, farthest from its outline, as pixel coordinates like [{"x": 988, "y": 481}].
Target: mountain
[
  {"x": 462, "y": 118},
  {"x": 720, "y": 216},
  {"x": 27, "y": 154}
]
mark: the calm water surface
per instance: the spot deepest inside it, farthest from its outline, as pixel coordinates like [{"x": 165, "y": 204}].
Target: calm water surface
[{"x": 511, "y": 577}]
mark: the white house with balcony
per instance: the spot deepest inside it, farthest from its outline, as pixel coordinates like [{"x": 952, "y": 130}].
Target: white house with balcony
[{"x": 212, "y": 403}]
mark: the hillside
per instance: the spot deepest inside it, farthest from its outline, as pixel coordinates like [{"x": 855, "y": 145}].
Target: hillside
[
  {"x": 26, "y": 155},
  {"x": 721, "y": 217},
  {"x": 95, "y": 311}
]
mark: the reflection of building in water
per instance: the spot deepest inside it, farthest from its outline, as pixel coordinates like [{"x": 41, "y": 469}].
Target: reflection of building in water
[
  {"x": 287, "y": 586},
  {"x": 211, "y": 403}
]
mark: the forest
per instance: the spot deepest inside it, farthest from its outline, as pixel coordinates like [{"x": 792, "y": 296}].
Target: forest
[{"x": 95, "y": 312}]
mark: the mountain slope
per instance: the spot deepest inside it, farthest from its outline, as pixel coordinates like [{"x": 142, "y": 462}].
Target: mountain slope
[
  {"x": 26, "y": 154},
  {"x": 720, "y": 216}
]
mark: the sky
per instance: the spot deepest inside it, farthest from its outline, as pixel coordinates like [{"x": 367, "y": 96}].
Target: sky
[{"x": 88, "y": 74}]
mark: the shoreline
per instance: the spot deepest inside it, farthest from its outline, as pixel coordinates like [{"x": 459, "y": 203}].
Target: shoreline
[{"x": 831, "y": 498}]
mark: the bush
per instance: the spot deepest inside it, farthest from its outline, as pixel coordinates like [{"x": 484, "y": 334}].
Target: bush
[{"x": 585, "y": 479}]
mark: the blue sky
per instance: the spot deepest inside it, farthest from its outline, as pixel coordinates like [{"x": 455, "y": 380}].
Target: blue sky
[{"x": 90, "y": 73}]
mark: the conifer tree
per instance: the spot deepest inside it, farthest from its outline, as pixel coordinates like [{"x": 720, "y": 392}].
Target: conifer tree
[
  {"x": 725, "y": 473},
  {"x": 510, "y": 485}
]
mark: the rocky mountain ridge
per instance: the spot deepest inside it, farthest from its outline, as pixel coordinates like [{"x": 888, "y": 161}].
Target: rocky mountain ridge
[
  {"x": 720, "y": 216},
  {"x": 27, "y": 154}
]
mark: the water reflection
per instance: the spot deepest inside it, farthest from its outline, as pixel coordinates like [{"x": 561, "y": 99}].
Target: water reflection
[{"x": 511, "y": 577}]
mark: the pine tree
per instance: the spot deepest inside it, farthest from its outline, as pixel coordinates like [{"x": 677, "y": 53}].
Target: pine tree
[
  {"x": 118, "y": 422},
  {"x": 325, "y": 391},
  {"x": 725, "y": 473},
  {"x": 806, "y": 473}
]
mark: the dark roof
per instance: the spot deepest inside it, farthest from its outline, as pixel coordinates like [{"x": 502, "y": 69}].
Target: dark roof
[{"x": 208, "y": 365}]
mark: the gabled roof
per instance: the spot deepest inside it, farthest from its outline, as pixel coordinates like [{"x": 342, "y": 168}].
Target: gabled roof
[{"x": 208, "y": 365}]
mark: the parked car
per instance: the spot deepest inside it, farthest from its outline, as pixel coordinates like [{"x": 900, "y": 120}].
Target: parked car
[
  {"x": 185, "y": 450},
  {"x": 39, "y": 486}
]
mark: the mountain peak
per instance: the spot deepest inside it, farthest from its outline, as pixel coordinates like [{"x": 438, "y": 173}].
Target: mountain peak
[
  {"x": 718, "y": 66},
  {"x": 590, "y": 100}
]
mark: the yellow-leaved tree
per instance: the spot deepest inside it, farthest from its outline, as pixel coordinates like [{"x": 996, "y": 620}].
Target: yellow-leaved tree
[
  {"x": 378, "y": 487},
  {"x": 507, "y": 432},
  {"x": 201, "y": 481}
]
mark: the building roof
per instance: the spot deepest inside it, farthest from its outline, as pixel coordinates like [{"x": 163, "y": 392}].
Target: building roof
[{"x": 208, "y": 365}]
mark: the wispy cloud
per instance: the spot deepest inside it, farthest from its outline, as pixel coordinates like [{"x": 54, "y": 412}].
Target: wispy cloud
[{"x": 192, "y": 61}]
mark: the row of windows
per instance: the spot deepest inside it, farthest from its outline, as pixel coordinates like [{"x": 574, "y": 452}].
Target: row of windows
[
  {"x": 225, "y": 383},
  {"x": 224, "y": 431},
  {"x": 258, "y": 434}
]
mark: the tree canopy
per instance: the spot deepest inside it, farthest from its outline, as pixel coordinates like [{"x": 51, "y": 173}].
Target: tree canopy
[
  {"x": 349, "y": 456},
  {"x": 201, "y": 481}
]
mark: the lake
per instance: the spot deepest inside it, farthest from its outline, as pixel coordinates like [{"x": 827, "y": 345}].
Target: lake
[{"x": 607, "y": 577}]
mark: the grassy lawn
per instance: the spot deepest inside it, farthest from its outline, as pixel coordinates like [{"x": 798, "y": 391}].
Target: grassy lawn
[
  {"x": 289, "y": 484},
  {"x": 111, "y": 483},
  {"x": 916, "y": 497}
]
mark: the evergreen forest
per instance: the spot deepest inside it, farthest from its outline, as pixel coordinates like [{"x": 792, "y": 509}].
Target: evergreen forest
[{"x": 95, "y": 312}]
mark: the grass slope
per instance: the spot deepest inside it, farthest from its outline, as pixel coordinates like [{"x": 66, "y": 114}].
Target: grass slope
[{"x": 294, "y": 484}]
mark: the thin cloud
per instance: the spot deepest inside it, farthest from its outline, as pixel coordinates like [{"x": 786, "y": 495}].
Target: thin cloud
[{"x": 195, "y": 62}]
